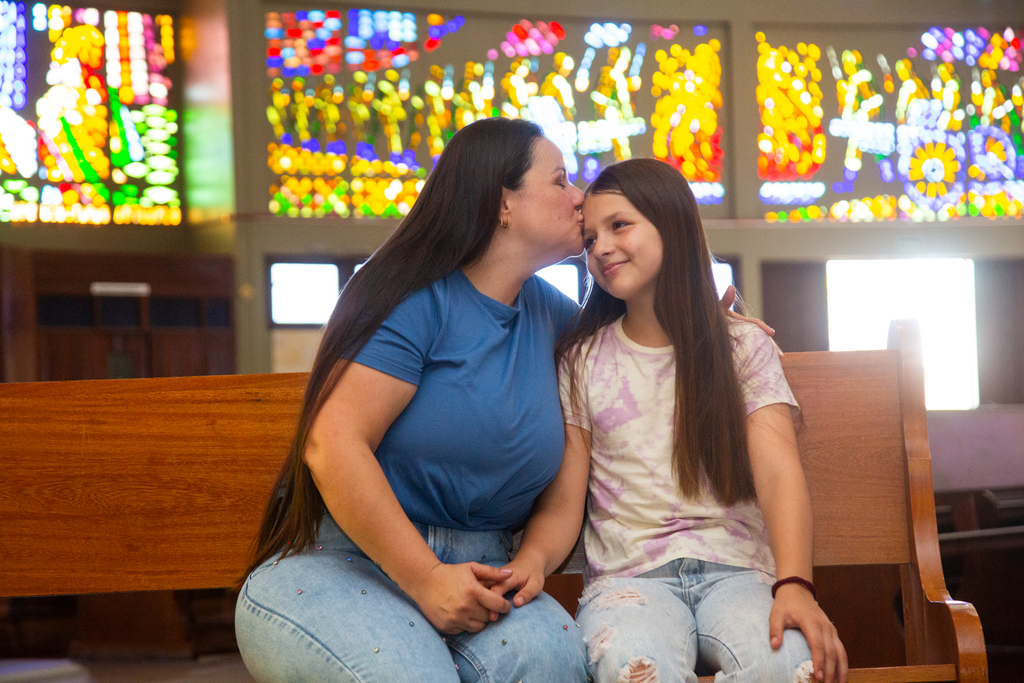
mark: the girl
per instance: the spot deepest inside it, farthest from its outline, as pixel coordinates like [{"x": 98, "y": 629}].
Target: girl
[{"x": 697, "y": 500}]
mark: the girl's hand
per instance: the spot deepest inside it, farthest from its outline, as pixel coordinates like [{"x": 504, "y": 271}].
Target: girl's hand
[
  {"x": 727, "y": 301},
  {"x": 795, "y": 607},
  {"x": 527, "y": 579},
  {"x": 455, "y": 597}
]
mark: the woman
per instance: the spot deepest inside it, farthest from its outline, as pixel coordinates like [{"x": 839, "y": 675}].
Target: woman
[{"x": 430, "y": 425}]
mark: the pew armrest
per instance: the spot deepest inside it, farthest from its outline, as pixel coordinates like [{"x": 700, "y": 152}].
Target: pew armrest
[{"x": 939, "y": 630}]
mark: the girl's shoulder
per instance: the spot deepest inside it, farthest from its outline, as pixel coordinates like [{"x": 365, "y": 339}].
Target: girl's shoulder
[
  {"x": 752, "y": 349},
  {"x": 587, "y": 351},
  {"x": 741, "y": 328},
  {"x": 604, "y": 337},
  {"x": 745, "y": 334}
]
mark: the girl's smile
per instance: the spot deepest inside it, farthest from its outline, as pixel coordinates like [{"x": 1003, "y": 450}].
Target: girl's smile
[{"x": 611, "y": 268}]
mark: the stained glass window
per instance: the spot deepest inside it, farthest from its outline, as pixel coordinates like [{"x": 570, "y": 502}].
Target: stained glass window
[
  {"x": 88, "y": 133},
  {"x": 923, "y": 126},
  {"x": 361, "y": 102}
]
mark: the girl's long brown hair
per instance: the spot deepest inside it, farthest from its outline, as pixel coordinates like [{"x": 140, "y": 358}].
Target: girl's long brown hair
[
  {"x": 450, "y": 226},
  {"x": 709, "y": 437}
]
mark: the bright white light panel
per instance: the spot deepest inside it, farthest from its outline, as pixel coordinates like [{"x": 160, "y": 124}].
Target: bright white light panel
[
  {"x": 722, "y": 273},
  {"x": 565, "y": 277},
  {"x": 303, "y": 293},
  {"x": 864, "y": 296}
]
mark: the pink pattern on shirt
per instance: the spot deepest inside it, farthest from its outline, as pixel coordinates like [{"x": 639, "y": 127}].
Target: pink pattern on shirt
[
  {"x": 622, "y": 411},
  {"x": 637, "y": 518}
]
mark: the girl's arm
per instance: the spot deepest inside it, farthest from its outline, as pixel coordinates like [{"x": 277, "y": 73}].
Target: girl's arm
[
  {"x": 554, "y": 524},
  {"x": 340, "y": 455},
  {"x": 786, "y": 505}
]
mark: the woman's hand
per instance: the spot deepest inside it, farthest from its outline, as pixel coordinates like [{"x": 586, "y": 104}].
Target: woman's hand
[
  {"x": 728, "y": 299},
  {"x": 795, "y": 607},
  {"x": 527, "y": 578},
  {"x": 455, "y": 597}
]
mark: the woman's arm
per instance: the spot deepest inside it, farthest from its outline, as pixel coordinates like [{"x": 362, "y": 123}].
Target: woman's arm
[
  {"x": 340, "y": 456},
  {"x": 554, "y": 524},
  {"x": 786, "y": 505}
]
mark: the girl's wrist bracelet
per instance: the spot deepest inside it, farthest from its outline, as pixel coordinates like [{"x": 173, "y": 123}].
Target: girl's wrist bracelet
[{"x": 795, "y": 579}]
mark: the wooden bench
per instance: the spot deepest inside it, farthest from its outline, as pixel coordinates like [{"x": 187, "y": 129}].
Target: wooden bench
[{"x": 158, "y": 484}]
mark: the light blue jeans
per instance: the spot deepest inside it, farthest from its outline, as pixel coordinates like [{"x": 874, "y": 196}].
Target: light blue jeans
[
  {"x": 654, "y": 627},
  {"x": 330, "y": 615}
]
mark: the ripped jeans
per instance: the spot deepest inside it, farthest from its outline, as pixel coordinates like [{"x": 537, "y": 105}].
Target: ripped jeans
[
  {"x": 657, "y": 626},
  {"x": 330, "y": 615}
]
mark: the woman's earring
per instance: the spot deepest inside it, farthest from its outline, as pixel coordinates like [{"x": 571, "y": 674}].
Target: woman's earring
[{"x": 503, "y": 224}]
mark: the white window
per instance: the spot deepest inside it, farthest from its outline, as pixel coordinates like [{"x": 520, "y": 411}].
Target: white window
[
  {"x": 303, "y": 293},
  {"x": 565, "y": 277},
  {"x": 863, "y": 296},
  {"x": 722, "y": 273}
]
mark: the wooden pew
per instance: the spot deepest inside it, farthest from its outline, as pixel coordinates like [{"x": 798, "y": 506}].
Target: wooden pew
[{"x": 158, "y": 484}]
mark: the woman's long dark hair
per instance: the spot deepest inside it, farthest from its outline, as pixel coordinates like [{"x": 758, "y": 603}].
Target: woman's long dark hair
[
  {"x": 450, "y": 226},
  {"x": 709, "y": 436}
]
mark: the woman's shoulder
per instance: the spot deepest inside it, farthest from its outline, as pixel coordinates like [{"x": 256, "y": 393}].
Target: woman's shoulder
[
  {"x": 539, "y": 288},
  {"x": 441, "y": 291},
  {"x": 423, "y": 307},
  {"x": 540, "y": 292}
]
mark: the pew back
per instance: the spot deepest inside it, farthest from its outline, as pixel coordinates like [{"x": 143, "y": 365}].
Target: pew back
[
  {"x": 138, "y": 484},
  {"x": 154, "y": 484}
]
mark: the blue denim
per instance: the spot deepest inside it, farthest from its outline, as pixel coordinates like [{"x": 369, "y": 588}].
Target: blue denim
[
  {"x": 330, "y": 614},
  {"x": 661, "y": 624}
]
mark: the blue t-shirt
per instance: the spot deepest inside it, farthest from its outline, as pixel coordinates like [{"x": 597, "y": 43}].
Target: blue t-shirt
[{"x": 483, "y": 435}]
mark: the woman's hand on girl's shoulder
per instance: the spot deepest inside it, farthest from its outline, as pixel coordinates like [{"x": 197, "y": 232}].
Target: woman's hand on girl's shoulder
[
  {"x": 795, "y": 607},
  {"x": 456, "y": 597},
  {"x": 728, "y": 299},
  {"x": 527, "y": 579}
]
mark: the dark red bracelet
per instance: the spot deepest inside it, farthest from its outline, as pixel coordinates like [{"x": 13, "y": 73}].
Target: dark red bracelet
[{"x": 795, "y": 579}]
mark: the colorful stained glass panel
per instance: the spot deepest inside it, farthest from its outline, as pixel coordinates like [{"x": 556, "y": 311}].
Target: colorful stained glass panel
[
  {"x": 88, "y": 134},
  {"x": 361, "y": 102},
  {"x": 923, "y": 126}
]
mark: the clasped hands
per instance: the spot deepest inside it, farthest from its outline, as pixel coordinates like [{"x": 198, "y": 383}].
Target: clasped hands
[{"x": 468, "y": 596}]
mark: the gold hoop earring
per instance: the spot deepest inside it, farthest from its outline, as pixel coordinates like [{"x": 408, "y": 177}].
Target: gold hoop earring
[{"x": 503, "y": 224}]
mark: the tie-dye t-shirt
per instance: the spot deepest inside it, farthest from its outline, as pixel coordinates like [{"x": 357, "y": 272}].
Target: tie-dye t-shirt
[{"x": 638, "y": 519}]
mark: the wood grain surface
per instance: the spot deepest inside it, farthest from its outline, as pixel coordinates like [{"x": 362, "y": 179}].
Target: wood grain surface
[
  {"x": 118, "y": 485},
  {"x": 851, "y": 446}
]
